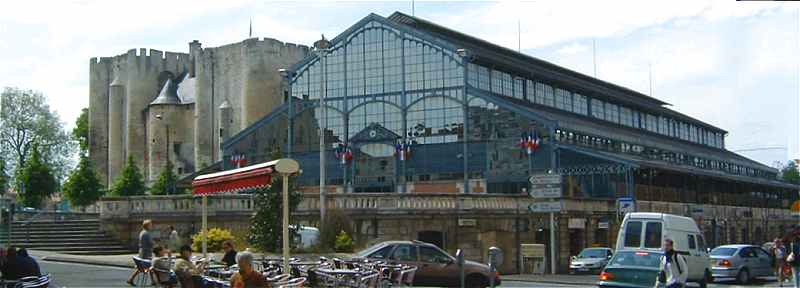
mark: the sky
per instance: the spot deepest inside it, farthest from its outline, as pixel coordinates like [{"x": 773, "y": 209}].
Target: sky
[{"x": 728, "y": 63}]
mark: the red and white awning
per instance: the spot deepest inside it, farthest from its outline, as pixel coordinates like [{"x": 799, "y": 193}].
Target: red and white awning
[{"x": 236, "y": 180}]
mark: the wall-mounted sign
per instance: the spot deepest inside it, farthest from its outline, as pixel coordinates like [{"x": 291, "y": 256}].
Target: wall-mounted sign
[
  {"x": 576, "y": 223},
  {"x": 467, "y": 222},
  {"x": 625, "y": 205},
  {"x": 603, "y": 224},
  {"x": 532, "y": 250}
]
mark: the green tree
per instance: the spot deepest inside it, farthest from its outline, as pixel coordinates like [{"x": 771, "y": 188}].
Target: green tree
[
  {"x": 129, "y": 182},
  {"x": 83, "y": 187},
  {"x": 166, "y": 182},
  {"x": 81, "y": 131},
  {"x": 27, "y": 119},
  {"x": 266, "y": 225},
  {"x": 36, "y": 179},
  {"x": 3, "y": 177},
  {"x": 790, "y": 173}
]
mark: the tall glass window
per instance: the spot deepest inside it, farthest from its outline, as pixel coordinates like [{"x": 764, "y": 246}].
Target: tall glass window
[
  {"x": 355, "y": 65},
  {"x": 483, "y": 78},
  {"x": 663, "y": 125},
  {"x": 579, "y": 104},
  {"x": 380, "y": 113},
  {"x": 530, "y": 90},
  {"x": 625, "y": 116},
  {"x": 544, "y": 95},
  {"x": 598, "y": 111},
  {"x": 373, "y": 61},
  {"x": 612, "y": 113},
  {"x": 563, "y": 100},
  {"x": 414, "y": 65},
  {"x": 435, "y": 120},
  {"x": 518, "y": 88}
]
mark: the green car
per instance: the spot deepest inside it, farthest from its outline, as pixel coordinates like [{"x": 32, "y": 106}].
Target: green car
[{"x": 631, "y": 269}]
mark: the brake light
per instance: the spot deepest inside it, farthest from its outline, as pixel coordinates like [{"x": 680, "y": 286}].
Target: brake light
[
  {"x": 642, "y": 253},
  {"x": 605, "y": 276},
  {"x": 725, "y": 263}
]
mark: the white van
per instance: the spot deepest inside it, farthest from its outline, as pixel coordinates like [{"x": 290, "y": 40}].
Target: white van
[{"x": 646, "y": 231}]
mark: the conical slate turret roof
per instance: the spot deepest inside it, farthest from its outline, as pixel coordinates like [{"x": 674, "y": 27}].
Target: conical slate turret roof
[{"x": 168, "y": 94}]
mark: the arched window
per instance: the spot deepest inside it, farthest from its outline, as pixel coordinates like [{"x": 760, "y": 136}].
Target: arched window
[
  {"x": 385, "y": 114},
  {"x": 435, "y": 119}
]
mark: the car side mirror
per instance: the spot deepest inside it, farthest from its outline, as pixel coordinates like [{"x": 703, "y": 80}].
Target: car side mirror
[
  {"x": 608, "y": 257},
  {"x": 573, "y": 258}
]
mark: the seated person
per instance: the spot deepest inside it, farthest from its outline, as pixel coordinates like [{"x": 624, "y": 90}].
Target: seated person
[
  {"x": 230, "y": 253},
  {"x": 247, "y": 277},
  {"x": 184, "y": 268},
  {"x": 19, "y": 265},
  {"x": 161, "y": 262}
]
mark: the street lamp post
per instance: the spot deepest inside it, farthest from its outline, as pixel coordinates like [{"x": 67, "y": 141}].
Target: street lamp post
[
  {"x": 286, "y": 167},
  {"x": 465, "y": 54},
  {"x": 321, "y": 49}
]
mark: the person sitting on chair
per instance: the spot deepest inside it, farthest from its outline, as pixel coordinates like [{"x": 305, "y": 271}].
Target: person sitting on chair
[
  {"x": 19, "y": 265},
  {"x": 230, "y": 253},
  {"x": 184, "y": 268},
  {"x": 161, "y": 262},
  {"x": 247, "y": 277}
]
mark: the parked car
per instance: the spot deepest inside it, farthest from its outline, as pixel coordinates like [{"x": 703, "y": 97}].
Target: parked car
[
  {"x": 435, "y": 266},
  {"x": 590, "y": 260},
  {"x": 646, "y": 231},
  {"x": 742, "y": 262},
  {"x": 631, "y": 269}
]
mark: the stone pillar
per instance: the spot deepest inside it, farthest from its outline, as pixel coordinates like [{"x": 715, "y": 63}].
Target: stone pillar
[{"x": 99, "y": 73}]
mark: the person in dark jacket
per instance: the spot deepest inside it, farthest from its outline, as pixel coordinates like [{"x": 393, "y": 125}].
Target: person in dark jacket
[
  {"x": 19, "y": 265},
  {"x": 230, "y": 253},
  {"x": 794, "y": 254}
]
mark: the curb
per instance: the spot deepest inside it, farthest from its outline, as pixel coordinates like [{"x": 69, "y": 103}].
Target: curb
[
  {"x": 81, "y": 261},
  {"x": 548, "y": 281}
]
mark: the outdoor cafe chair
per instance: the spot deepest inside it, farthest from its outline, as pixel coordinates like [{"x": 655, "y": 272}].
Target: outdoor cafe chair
[
  {"x": 156, "y": 276},
  {"x": 34, "y": 282},
  {"x": 408, "y": 274},
  {"x": 279, "y": 278},
  {"x": 292, "y": 283},
  {"x": 142, "y": 265}
]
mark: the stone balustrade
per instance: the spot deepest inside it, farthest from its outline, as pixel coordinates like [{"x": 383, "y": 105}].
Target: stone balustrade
[{"x": 355, "y": 203}]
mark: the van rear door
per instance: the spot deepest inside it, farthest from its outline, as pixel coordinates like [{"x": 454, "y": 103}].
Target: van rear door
[{"x": 642, "y": 233}]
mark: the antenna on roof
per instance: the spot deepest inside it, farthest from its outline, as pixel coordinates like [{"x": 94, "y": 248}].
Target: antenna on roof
[
  {"x": 519, "y": 35},
  {"x": 650, "y": 73},
  {"x": 250, "y": 34},
  {"x": 412, "y": 8},
  {"x": 594, "y": 57}
]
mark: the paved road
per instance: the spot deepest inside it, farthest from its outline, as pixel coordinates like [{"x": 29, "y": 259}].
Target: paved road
[{"x": 80, "y": 275}]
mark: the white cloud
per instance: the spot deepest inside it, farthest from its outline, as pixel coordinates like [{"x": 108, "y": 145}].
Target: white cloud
[{"x": 573, "y": 48}]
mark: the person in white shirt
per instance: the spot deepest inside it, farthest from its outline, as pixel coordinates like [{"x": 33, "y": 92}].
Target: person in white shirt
[
  {"x": 674, "y": 270},
  {"x": 174, "y": 239}
]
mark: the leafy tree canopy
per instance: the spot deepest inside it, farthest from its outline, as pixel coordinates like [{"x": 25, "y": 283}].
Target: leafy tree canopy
[
  {"x": 3, "y": 177},
  {"x": 790, "y": 173},
  {"x": 266, "y": 225},
  {"x": 81, "y": 131},
  {"x": 27, "y": 119},
  {"x": 165, "y": 184}
]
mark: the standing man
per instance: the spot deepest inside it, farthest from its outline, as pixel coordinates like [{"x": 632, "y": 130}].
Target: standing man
[
  {"x": 674, "y": 270},
  {"x": 146, "y": 244}
]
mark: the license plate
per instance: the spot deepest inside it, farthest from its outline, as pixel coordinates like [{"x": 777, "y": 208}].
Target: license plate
[{"x": 583, "y": 269}]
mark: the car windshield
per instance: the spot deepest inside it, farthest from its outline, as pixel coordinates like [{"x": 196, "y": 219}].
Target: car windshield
[
  {"x": 593, "y": 253},
  {"x": 636, "y": 258},
  {"x": 723, "y": 251},
  {"x": 364, "y": 253}
]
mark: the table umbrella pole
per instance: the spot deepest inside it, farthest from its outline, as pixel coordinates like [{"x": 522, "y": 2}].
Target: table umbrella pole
[
  {"x": 285, "y": 223},
  {"x": 205, "y": 225}
]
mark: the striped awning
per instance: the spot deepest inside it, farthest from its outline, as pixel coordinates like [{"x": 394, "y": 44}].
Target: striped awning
[{"x": 236, "y": 180}]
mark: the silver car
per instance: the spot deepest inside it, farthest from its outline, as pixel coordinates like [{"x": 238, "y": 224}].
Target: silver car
[
  {"x": 590, "y": 260},
  {"x": 740, "y": 262}
]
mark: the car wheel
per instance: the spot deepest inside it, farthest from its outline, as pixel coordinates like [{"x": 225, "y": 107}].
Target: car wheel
[
  {"x": 743, "y": 277},
  {"x": 477, "y": 281}
]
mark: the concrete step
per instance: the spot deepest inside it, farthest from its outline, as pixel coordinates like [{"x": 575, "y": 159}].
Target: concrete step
[
  {"x": 78, "y": 241},
  {"x": 79, "y": 237},
  {"x": 56, "y": 226},
  {"x": 104, "y": 252}
]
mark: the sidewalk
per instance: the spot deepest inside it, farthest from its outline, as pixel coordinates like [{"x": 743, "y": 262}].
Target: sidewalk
[{"x": 554, "y": 279}]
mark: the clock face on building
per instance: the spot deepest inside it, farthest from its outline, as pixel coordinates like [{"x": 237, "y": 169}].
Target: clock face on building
[{"x": 373, "y": 133}]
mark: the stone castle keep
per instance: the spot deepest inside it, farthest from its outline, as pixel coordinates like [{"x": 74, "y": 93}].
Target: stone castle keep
[{"x": 155, "y": 105}]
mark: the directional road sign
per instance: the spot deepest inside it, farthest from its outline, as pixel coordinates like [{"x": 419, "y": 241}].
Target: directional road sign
[
  {"x": 540, "y": 179},
  {"x": 545, "y": 207}
]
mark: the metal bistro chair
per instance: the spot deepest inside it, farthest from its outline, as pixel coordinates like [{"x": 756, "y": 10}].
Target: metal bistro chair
[
  {"x": 292, "y": 283},
  {"x": 156, "y": 273},
  {"x": 142, "y": 265},
  {"x": 34, "y": 282}
]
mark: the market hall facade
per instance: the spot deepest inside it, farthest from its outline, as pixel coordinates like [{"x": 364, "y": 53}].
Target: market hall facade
[{"x": 409, "y": 106}]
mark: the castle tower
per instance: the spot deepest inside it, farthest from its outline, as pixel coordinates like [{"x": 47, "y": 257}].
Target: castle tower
[
  {"x": 99, "y": 74},
  {"x": 162, "y": 122},
  {"x": 116, "y": 112}
]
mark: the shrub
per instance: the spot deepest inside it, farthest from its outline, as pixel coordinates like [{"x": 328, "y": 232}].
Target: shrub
[
  {"x": 335, "y": 222},
  {"x": 343, "y": 243},
  {"x": 215, "y": 238}
]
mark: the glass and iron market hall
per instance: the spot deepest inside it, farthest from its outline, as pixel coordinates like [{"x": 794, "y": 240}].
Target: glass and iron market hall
[{"x": 413, "y": 107}]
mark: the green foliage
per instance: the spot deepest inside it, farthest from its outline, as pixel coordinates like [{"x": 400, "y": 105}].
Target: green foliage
[
  {"x": 129, "y": 182},
  {"x": 3, "y": 177},
  {"x": 36, "y": 180},
  {"x": 27, "y": 119},
  {"x": 790, "y": 173},
  {"x": 165, "y": 184},
  {"x": 266, "y": 225},
  {"x": 83, "y": 187},
  {"x": 335, "y": 222},
  {"x": 81, "y": 131},
  {"x": 343, "y": 243},
  {"x": 216, "y": 236}
]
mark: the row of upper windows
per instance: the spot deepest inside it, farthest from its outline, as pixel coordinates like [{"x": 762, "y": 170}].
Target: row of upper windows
[
  {"x": 598, "y": 142},
  {"x": 543, "y": 94}
]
